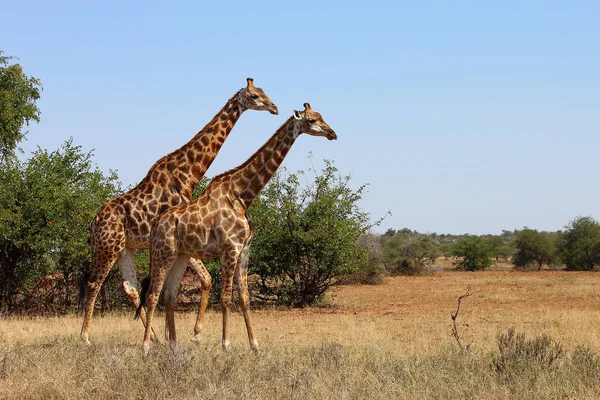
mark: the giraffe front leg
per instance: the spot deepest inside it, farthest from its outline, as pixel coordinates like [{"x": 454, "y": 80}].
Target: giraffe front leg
[
  {"x": 228, "y": 262},
  {"x": 104, "y": 263},
  {"x": 206, "y": 281},
  {"x": 158, "y": 277},
  {"x": 242, "y": 286},
  {"x": 126, "y": 265},
  {"x": 170, "y": 297}
]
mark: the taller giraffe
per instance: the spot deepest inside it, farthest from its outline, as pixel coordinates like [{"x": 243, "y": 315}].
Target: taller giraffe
[
  {"x": 216, "y": 224},
  {"x": 123, "y": 223}
]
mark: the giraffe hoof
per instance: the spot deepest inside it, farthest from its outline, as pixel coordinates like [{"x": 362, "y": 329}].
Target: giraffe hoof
[
  {"x": 154, "y": 339},
  {"x": 85, "y": 340},
  {"x": 172, "y": 346},
  {"x": 226, "y": 346},
  {"x": 255, "y": 349},
  {"x": 146, "y": 349},
  {"x": 196, "y": 339}
]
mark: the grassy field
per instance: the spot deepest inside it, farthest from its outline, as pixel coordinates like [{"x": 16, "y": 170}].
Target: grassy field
[{"x": 379, "y": 342}]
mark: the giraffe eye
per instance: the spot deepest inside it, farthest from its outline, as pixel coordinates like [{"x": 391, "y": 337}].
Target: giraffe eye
[
  {"x": 312, "y": 120},
  {"x": 254, "y": 96}
]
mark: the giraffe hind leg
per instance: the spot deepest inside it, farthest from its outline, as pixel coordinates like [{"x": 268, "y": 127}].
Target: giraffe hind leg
[
  {"x": 156, "y": 285},
  {"x": 228, "y": 265},
  {"x": 206, "y": 282},
  {"x": 244, "y": 298},
  {"x": 104, "y": 262}
]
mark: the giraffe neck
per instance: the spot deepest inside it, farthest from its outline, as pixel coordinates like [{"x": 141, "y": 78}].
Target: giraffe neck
[
  {"x": 187, "y": 165},
  {"x": 252, "y": 176}
]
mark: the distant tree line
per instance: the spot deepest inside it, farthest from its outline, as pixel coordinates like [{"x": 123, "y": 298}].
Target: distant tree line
[{"x": 577, "y": 248}]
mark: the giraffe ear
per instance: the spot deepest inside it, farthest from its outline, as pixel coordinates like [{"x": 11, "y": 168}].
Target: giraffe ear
[
  {"x": 250, "y": 82},
  {"x": 307, "y": 107},
  {"x": 297, "y": 114}
]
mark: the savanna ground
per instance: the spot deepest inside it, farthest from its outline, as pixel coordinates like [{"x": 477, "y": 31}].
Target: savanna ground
[{"x": 390, "y": 341}]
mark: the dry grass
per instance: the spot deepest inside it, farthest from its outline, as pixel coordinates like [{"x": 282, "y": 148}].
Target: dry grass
[{"x": 378, "y": 342}]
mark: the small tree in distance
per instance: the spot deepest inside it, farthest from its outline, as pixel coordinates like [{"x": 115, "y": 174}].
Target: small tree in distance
[
  {"x": 407, "y": 252},
  {"x": 579, "y": 245},
  {"x": 473, "y": 253},
  {"x": 533, "y": 247}
]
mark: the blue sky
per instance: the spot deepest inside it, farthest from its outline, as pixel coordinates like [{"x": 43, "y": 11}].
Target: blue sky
[{"x": 462, "y": 116}]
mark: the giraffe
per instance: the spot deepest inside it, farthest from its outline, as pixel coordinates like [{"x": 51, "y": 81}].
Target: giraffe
[
  {"x": 123, "y": 224},
  {"x": 216, "y": 224}
]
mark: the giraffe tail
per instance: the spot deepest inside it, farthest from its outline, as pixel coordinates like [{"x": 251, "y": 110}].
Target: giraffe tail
[
  {"x": 145, "y": 288},
  {"x": 83, "y": 280}
]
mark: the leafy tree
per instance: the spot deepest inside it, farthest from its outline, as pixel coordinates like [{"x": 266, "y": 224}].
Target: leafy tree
[
  {"x": 533, "y": 247},
  {"x": 579, "y": 244},
  {"x": 474, "y": 252},
  {"x": 18, "y": 96},
  {"x": 407, "y": 252},
  {"x": 390, "y": 232},
  {"x": 504, "y": 252},
  {"x": 445, "y": 249},
  {"x": 11, "y": 241},
  {"x": 496, "y": 244},
  {"x": 306, "y": 235},
  {"x": 45, "y": 212}
]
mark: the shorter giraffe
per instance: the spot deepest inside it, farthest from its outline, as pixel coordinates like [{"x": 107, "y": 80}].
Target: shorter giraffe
[{"x": 216, "y": 224}]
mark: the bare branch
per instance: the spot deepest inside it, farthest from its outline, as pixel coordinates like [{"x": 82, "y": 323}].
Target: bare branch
[{"x": 454, "y": 315}]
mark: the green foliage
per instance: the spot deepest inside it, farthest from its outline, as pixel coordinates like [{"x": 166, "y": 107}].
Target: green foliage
[
  {"x": 445, "y": 250},
  {"x": 495, "y": 243},
  {"x": 474, "y": 252},
  {"x": 200, "y": 187},
  {"x": 579, "y": 245},
  {"x": 18, "y": 96},
  {"x": 46, "y": 205},
  {"x": 533, "y": 247},
  {"x": 406, "y": 252},
  {"x": 306, "y": 235},
  {"x": 501, "y": 244},
  {"x": 504, "y": 252}
]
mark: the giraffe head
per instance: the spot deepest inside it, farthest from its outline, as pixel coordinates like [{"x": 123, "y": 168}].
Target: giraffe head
[
  {"x": 253, "y": 98},
  {"x": 311, "y": 122}
]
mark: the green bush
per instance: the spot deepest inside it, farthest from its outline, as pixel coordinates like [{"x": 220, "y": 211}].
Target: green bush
[
  {"x": 473, "y": 253},
  {"x": 533, "y": 248},
  {"x": 579, "y": 245},
  {"x": 307, "y": 235},
  {"x": 407, "y": 253}
]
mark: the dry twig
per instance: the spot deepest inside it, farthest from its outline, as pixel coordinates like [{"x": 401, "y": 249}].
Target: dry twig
[{"x": 454, "y": 315}]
